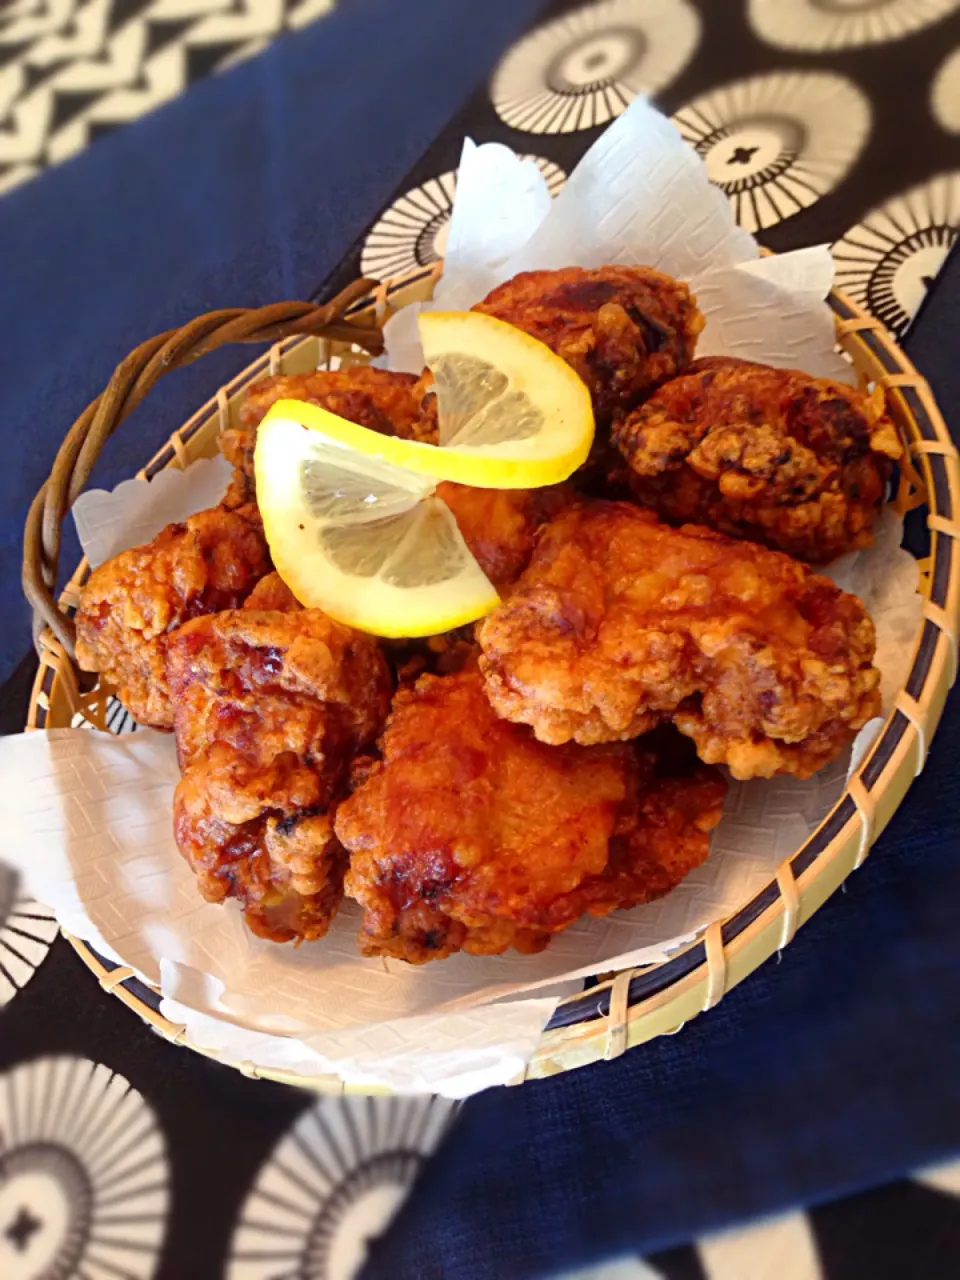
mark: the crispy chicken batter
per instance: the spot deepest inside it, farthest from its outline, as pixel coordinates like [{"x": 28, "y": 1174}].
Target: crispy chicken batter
[
  {"x": 271, "y": 707},
  {"x": 440, "y": 655},
  {"x": 774, "y": 455},
  {"x": 272, "y": 595},
  {"x": 623, "y": 329},
  {"x": 131, "y": 603},
  {"x": 500, "y": 526},
  {"x": 621, "y": 621},
  {"x": 391, "y": 403},
  {"x": 471, "y": 835}
]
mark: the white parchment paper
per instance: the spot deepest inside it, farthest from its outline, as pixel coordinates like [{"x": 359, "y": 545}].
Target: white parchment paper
[
  {"x": 88, "y": 815},
  {"x": 135, "y": 511},
  {"x": 639, "y": 195}
]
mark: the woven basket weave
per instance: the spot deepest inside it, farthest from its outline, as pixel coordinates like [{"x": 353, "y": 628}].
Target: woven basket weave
[{"x": 635, "y": 1005}]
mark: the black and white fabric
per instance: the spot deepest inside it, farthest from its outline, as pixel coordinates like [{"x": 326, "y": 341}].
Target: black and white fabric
[
  {"x": 787, "y": 101},
  {"x": 776, "y": 143},
  {"x": 583, "y": 68},
  {"x": 27, "y": 930},
  {"x": 889, "y": 259},
  {"x": 871, "y": 1235},
  {"x": 117, "y": 718},
  {"x": 332, "y": 1185},
  {"x": 822, "y": 26},
  {"x": 71, "y": 70},
  {"x": 84, "y": 1177},
  {"x": 412, "y": 233},
  {"x": 945, "y": 93}
]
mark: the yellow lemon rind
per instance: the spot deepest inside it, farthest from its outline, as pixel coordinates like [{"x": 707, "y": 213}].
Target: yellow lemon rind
[
  {"x": 368, "y": 604},
  {"x": 532, "y": 368},
  {"x": 464, "y": 466}
]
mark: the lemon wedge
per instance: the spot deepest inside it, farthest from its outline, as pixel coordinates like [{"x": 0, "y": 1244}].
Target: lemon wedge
[
  {"x": 362, "y": 538},
  {"x": 511, "y": 414}
]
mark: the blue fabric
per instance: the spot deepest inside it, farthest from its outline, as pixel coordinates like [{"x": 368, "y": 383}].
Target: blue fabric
[
  {"x": 834, "y": 1069},
  {"x": 246, "y": 190}
]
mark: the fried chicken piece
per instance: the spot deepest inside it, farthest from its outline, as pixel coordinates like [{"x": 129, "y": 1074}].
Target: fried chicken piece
[
  {"x": 271, "y": 708},
  {"x": 775, "y": 455},
  {"x": 440, "y": 655},
  {"x": 623, "y": 329},
  {"x": 668, "y": 837},
  {"x": 130, "y": 604},
  {"x": 621, "y": 621},
  {"x": 471, "y": 835},
  {"x": 272, "y": 595},
  {"x": 395, "y": 404},
  {"x": 500, "y": 526}
]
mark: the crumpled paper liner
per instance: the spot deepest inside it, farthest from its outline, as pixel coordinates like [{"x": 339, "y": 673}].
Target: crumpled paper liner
[
  {"x": 88, "y": 815},
  {"x": 135, "y": 511}
]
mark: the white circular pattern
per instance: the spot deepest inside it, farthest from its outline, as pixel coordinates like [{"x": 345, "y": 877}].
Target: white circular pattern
[
  {"x": 412, "y": 233},
  {"x": 332, "y": 1184},
  {"x": 784, "y": 1246},
  {"x": 118, "y": 719},
  {"x": 945, "y": 93},
  {"x": 777, "y": 143},
  {"x": 27, "y": 931},
  {"x": 585, "y": 68},
  {"x": 941, "y": 1177},
  {"x": 819, "y": 25},
  {"x": 83, "y": 1174},
  {"x": 889, "y": 258}
]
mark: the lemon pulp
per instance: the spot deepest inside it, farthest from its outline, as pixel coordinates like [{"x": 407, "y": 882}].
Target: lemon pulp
[{"x": 362, "y": 539}]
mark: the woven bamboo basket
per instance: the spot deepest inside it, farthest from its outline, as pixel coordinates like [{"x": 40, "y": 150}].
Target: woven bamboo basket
[{"x": 633, "y": 1006}]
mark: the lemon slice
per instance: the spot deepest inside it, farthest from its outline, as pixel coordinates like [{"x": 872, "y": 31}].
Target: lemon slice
[
  {"x": 511, "y": 414},
  {"x": 363, "y": 539}
]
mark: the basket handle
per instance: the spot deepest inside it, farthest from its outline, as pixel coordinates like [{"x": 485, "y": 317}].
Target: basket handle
[{"x": 131, "y": 381}]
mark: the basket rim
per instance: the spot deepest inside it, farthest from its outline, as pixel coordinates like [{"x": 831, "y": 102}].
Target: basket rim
[{"x": 603, "y": 1014}]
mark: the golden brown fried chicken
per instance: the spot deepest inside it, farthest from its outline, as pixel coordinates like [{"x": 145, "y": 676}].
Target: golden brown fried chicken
[
  {"x": 130, "y": 604},
  {"x": 620, "y": 622},
  {"x": 391, "y": 403},
  {"x": 500, "y": 526},
  {"x": 272, "y": 595},
  {"x": 471, "y": 835},
  {"x": 774, "y": 455},
  {"x": 440, "y": 655},
  {"x": 271, "y": 708},
  {"x": 623, "y": 329},
  {"x": 668, "y": 838}
]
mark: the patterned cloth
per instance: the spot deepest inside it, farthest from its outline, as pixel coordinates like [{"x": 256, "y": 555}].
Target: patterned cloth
[
  {"x": 120, "y": 1154},
  {"x": 787, "y": 101},
  {"x": 72, "y": 71}
]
